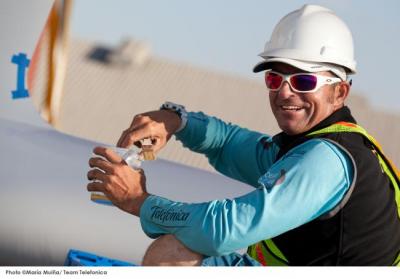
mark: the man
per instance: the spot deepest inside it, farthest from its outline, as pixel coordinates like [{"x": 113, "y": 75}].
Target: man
[{"x": 322, "y": 196}]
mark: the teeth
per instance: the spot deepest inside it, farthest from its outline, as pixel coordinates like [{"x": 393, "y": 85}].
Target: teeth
[{"x": 290, "y": 107}]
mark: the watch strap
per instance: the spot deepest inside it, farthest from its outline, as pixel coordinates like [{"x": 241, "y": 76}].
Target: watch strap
[{"x": 178, "y": 109}]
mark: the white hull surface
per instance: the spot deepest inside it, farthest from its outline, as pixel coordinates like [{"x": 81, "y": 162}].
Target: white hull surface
[{"x": 45, "y": 209}]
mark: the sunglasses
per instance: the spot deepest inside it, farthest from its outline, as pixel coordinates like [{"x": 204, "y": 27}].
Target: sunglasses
[{"x": 300, "y": 82}]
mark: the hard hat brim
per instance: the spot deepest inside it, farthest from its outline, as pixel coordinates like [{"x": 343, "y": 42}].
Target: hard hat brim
[
  {"x": 311, "y": 67},
  {"x": 302, "y": 65}
]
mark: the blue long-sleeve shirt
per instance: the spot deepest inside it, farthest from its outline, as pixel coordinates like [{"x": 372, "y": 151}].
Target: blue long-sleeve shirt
[{"x": 307, "y": 182}]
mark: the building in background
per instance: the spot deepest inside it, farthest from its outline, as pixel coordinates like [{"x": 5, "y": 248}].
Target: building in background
[{"x": 106, "y": 86}]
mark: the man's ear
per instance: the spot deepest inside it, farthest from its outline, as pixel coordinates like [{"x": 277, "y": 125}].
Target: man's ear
[{"x": 342, "y": 90}]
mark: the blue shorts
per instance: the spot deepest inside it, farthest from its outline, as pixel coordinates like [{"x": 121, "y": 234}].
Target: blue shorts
[{"x": 233, "y": 259}]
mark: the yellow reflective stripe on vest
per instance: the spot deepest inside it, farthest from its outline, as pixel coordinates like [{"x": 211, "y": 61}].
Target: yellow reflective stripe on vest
[
  {"x": 276, "y": 253},
  {"x": 267, "y": 253},
  {"x": 397, "y": 261}
]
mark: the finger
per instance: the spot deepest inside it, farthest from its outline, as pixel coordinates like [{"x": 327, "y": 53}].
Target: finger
[
  {"x": 140, "y": 170},
  {"x": 135, "y": 135},
  {"x": 96, "y": 174},
  {"x": 97, "y": 162},
  {"x": 138, "y": 120},
  {"x": 121, "y": 138},
  {"x": 124, "y": 135},
  {"x": 108, "y": 153},
  {"x": 95, "y": 187}
]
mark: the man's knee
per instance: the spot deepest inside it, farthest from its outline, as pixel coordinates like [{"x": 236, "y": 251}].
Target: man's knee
[{"x": 167, "y": 250}]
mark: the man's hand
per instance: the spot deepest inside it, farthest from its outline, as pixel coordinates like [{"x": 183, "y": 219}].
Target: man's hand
[
  {"x": 158, "y": 125},
  {"x": 124, "y": 186}
]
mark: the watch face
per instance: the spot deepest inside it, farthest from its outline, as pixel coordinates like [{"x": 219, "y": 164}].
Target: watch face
[{"x": 172, "y": 106}]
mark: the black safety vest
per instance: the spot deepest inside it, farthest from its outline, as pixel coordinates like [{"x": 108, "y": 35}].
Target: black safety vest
[{"x": 364, "y": 229}]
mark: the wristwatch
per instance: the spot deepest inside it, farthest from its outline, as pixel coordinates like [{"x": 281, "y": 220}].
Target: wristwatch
[{"x": 178, "y": 109}]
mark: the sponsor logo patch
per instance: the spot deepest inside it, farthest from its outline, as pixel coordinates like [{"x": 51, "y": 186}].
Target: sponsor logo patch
[{"x": 271, "y": 179}]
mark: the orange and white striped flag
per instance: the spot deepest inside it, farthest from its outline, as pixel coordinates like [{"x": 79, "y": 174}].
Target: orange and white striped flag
[{"x": 49, "y": 63}]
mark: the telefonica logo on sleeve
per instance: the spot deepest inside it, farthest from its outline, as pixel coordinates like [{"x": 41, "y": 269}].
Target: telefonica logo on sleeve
[{"x": 163, "y": 215}]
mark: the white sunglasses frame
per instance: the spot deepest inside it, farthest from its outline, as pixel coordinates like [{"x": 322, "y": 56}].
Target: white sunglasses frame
[{"x": 321, "y": 81}]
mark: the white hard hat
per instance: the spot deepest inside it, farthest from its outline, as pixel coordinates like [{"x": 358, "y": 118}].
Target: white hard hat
[{"x": 309, "y": 38}]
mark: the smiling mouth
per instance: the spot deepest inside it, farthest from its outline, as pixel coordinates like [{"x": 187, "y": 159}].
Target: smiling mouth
[{"x": 290, "y": 108}]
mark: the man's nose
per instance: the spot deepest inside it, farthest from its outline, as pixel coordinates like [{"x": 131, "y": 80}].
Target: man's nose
[{"x": 286, "y": 91}]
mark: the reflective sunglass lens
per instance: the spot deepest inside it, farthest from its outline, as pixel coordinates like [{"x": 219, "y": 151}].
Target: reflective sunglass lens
[
  {"x": 273, "y": 81},
  {"x": 303, "y": 82}
]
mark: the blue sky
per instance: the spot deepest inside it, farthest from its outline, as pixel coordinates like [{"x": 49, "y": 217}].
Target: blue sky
[{"x": 227, "y": 35}]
